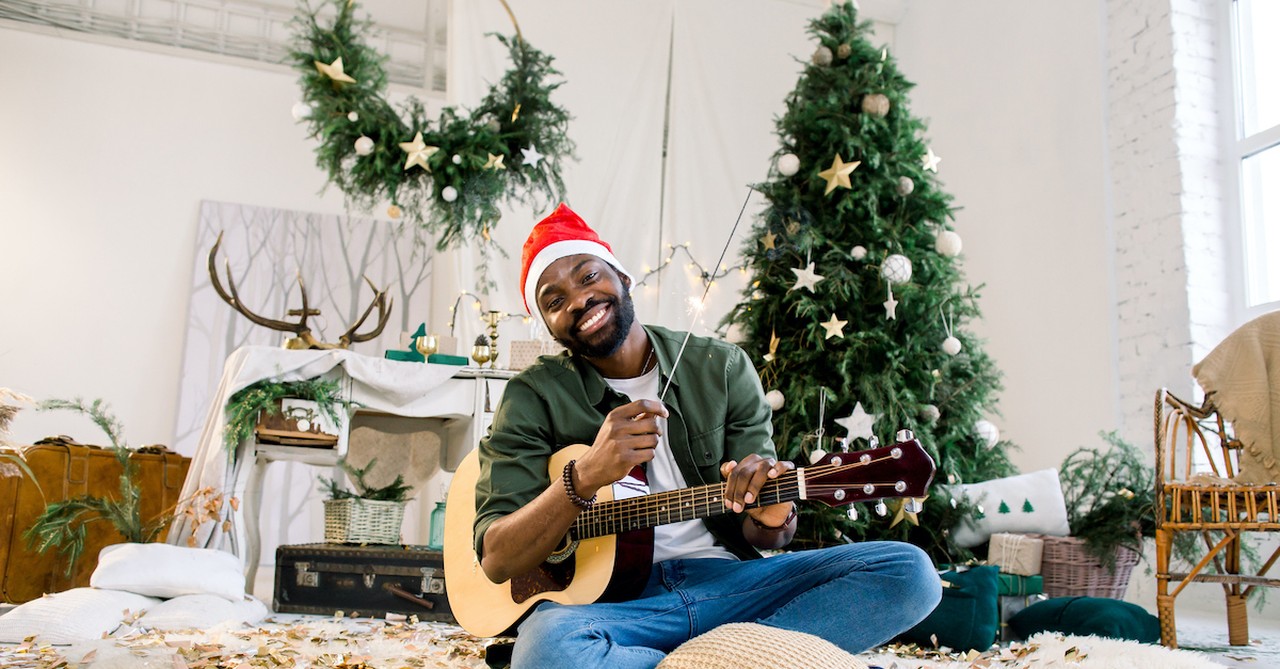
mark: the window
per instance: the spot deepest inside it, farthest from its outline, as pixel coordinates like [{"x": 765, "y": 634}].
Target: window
[{"x": 1253, "y": 153}]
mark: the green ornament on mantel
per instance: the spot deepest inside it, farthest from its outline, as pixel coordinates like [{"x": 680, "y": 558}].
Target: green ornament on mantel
[{"x": 445, "y": 181}]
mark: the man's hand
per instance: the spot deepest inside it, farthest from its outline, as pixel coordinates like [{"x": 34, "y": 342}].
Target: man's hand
[
  {"x": 766, "y": 526},
  {"x": 627, "y": 438}
]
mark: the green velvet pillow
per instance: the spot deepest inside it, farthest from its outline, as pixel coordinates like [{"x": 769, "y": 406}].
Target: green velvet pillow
[
  {"x": 1097, "y": 616},
  {"x": 967, "y": 617}
]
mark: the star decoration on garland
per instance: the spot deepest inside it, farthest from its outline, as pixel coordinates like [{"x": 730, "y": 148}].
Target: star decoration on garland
[
  {"x": 930, "y": 161},
  {"x": 835, "y": 327},
  {"x": 838, "y": 174},
  {"x": 891, "y": 307},
  {"x": 858, "y": 423},
  {"x": 806, "y": 278},
  {"x": 495, "y": 162},
  {"x": 334, "y": 71},
  {"x": 418, "y": 152},
  {"x": 531, "y": 155},
  {"x": 769, "y": 240}
]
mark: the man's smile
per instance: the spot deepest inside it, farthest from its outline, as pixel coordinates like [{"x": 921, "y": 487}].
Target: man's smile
[{"x": 595, "y": 320}]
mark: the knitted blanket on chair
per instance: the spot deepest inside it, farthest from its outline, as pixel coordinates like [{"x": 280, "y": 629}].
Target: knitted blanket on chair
[{"x": 1243, "y": 375}]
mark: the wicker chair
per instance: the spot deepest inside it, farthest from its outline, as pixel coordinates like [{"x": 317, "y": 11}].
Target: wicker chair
[{"x": 1197, "y": 455}]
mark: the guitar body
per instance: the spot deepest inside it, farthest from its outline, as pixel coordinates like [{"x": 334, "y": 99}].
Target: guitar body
[{"x": 485, "y": 608}]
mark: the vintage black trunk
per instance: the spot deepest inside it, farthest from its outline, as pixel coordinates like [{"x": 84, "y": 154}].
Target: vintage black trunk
[{"x": 369, "y": 580}]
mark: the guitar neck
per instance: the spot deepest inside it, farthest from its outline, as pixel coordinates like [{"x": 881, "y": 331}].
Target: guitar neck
[{"x": 638, "y": 513}]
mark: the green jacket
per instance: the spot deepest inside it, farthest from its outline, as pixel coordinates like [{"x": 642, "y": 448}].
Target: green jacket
[{"x": 717, "y": 413}]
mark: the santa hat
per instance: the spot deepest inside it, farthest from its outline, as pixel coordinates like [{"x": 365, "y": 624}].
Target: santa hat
[{"x": 561, "y": 234}]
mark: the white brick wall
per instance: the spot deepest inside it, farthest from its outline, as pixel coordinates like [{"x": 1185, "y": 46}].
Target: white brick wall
[{"x": 1163, "y": 136}]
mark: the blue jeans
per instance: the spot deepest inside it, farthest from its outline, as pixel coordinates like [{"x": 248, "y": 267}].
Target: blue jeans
[{"x": 856, "y": 596}]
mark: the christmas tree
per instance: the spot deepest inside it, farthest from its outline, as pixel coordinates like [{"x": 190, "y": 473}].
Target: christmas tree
[{"x": 856, "y": 312}]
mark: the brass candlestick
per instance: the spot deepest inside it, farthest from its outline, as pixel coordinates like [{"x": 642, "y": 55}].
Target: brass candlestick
[{"x": 493, "y": 317}]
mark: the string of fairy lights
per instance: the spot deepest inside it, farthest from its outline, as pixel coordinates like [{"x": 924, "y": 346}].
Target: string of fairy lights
[{"x": 707, "y": 276}]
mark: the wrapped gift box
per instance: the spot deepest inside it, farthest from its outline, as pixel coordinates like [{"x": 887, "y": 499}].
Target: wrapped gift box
[
  {"x": 1016, "y": 553},
  {"x": 1010, "y": 605},
  {"x": 1013, "y": 584}
]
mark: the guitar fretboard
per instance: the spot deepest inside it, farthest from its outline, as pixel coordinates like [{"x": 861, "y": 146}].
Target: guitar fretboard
[{"x": 638, "y": 513}]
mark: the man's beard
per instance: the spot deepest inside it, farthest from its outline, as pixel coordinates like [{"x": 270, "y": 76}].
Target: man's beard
[{"x": 624, "y": 315}]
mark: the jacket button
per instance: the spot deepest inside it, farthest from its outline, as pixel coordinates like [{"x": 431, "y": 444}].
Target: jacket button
[{"x": 706, "y": 454}]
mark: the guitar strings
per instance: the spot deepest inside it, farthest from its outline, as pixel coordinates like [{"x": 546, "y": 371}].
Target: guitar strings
[{"x": 646, "y": 511}]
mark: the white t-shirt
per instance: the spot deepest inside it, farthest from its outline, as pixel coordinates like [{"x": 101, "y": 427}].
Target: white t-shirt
[{"x": 688, "y": 539}]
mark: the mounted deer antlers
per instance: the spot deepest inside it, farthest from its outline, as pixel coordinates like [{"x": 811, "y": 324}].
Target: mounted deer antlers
[{"x": 302, "y": 339}]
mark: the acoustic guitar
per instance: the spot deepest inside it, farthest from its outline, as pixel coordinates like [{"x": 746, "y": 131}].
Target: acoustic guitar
[{"x": 606, "y": 555}]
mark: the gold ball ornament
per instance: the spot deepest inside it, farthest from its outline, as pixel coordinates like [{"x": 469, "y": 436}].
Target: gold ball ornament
[
  {"x": 844, "y": 51},
  {"x": 876, "y": 104},
  {"x": 821, "y": 56}
]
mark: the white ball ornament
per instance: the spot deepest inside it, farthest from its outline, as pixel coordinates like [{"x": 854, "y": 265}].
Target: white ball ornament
[
  {"x": 896, "y": 269},
  {"x": 788, "y": 164},
  {"x": 364, "y": 145},
  {"x": 457, "y": 159},
  {"x": 353, "y": 117},
  {"x": 858, "y": 252},
  {"x": 822, "y": 56},
  {"x": 775, "y": 399},
  {"x": 448, "y": 193},
  {"x": 906, "y": 186},
  {"x": 951, "y": 346},
  {"x": 948, "y": 244},
  {"x": 987, "y": 432},
  {"x": 300, "y": 110},
  {"x": 930, "y": 413}
]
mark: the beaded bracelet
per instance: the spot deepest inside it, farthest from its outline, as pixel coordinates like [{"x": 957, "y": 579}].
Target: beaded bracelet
[
  {"x": 769, "y": 528},
  {"x": 573, "y": 494}
]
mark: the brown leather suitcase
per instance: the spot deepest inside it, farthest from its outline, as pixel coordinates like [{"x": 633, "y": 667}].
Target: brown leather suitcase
[{"x": 65, "y": 469}]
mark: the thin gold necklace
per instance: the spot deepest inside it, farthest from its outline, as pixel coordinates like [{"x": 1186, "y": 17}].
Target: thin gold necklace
[{"x": 645, "y": 369}]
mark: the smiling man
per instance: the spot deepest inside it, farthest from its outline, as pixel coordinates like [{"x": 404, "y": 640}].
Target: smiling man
[{"x": 712, "y": 426}]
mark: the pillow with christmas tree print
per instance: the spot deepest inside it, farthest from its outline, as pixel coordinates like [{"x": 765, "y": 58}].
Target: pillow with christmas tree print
[{"x": 1023, "y": 504}]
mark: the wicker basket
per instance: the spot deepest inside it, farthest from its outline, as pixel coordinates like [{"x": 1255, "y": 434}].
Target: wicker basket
[
  {"x": 362, "y": 521},
  {"x": 1070, "y": 571}
]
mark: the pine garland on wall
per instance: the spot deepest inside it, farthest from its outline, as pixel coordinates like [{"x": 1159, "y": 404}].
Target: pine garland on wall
[
  {"x": 856, "y": 310},
  {"x": 449, "y": 175}
]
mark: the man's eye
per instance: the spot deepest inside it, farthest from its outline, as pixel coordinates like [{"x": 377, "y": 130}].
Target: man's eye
[
  {"x": 555, "y": 302},
  {"x": 591, "y": 276}
]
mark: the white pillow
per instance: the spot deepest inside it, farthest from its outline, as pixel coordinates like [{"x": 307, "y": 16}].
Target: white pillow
[
  {"x": 164, "y": 570},
  {"x": 75, "y": 615},
  {"x": 1024, "y": 504},
  {"x": 202, "y": 612}
]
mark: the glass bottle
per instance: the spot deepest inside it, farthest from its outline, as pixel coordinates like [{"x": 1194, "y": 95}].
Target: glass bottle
[{"x": 436, "y": 540}]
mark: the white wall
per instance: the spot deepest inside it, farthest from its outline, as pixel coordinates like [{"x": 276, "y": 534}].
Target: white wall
[
  {"x": 1014, "y": 95},
  {"x": 107, "y": 153}
]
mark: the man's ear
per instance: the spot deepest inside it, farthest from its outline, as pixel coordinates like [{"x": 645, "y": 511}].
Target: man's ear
[{"x": 626, "y": 280}]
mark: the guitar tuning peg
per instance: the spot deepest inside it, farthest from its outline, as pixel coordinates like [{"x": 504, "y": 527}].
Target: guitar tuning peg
[
  {"x": 873, "y": 441},
  {"x": 881, "y": 509},
  {"x": 905, "y": 435},
  {"x": 852, "y": 513},
  {"x": 843, "y": 444},
  {"x": 816, "y": 455},
  {"x": 914, "y": 505}
]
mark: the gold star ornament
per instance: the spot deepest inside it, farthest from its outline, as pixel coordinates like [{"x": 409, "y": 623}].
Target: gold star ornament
[
  {"x": 495, "y": 163},
  {"x": 418, "y": 152},
  {"x": 769, "y": 240},
  {"x": 773, "y": 347},
  {"x": 334, "y": 71},
  {"x": 838, "y": 173},
  {"x": 907, "y": 509}
]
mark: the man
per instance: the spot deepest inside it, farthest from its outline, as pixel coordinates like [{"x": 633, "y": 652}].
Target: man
[{"x": 712, "y": 425}]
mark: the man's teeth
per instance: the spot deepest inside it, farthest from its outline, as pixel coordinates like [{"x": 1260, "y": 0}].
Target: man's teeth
[{"x": 592, "y": 321}]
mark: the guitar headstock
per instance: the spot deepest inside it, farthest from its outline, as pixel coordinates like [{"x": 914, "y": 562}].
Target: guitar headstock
[{"x": 904, "y": 469}]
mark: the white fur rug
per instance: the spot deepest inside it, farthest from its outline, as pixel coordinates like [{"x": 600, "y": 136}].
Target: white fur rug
[{"x": 332, "y": 643}]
